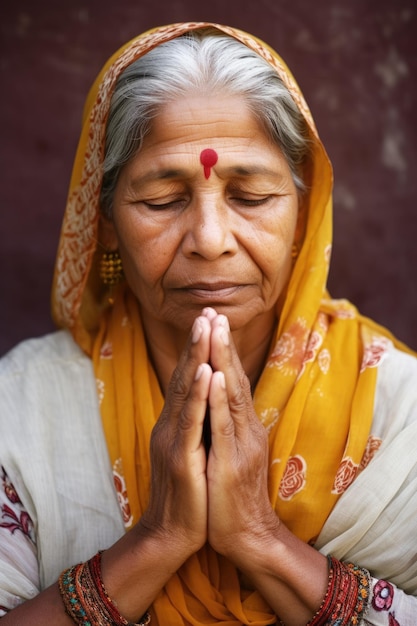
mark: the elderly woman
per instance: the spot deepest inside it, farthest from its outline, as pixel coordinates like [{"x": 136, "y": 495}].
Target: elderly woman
[{"x": 209, "y": 438}]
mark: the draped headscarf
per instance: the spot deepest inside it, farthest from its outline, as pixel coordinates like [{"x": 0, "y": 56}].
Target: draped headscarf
[{"x": 315, "y": 395}]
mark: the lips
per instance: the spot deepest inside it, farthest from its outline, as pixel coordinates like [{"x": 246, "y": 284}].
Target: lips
[
  {"x": 218, "y": 291},
  {"x": 217, "y": 286}
]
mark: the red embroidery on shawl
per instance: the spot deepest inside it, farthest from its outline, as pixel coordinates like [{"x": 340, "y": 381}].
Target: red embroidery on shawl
[
  {"x": 372, "y": 447},
  {"x": 345, "y": 475},
  {"x": 294, "y": 478}
]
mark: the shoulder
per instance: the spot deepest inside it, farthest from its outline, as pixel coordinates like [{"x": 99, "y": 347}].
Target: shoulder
[
  {"x": 396, "y": 392},
  {"x": 40, "y": 367},
  {"x": 42, "y": 382},
  {"x": 32, "y": 353},
  {"x": 398, "y": 365}
]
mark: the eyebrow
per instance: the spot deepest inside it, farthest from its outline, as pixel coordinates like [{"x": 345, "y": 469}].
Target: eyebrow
[
  {"x": 237, "y": 170},
  {"x": 252, "y": 170},
  {"x": 165, "y": 174}
]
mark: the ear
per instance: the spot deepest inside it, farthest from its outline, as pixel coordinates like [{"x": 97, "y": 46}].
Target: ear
[{"x": 107, "y": 234}]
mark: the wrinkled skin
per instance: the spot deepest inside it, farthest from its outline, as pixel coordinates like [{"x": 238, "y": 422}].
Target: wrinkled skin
[{"x": 220, "y": 497}]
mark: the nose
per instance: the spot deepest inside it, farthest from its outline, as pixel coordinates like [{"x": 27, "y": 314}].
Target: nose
[{"x": 209, "y": 229}]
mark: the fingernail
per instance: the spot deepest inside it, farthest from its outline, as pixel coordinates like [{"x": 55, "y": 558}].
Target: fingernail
[
  {"x": 222, "y": 380},
  {"x": 199, "y": 372},
  {"x": 209, "y": 312},
  {"x": 196, "y": 331}
]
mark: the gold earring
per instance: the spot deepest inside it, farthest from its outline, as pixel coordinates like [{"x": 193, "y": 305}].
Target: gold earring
[{"x": 111, "y": 268}]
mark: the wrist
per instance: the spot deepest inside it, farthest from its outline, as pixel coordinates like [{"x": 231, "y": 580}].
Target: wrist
[
  {"x": 85, "y": 597},
  {"x": 286, "y": 570},
  {"x": 140, "y": 560},
  {"x": 255, "y": 547},
  {"x": 177, "y": 544},
  {"x": 347, "y": 596}
]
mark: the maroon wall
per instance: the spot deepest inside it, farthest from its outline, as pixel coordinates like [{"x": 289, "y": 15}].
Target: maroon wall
[{"x": 356, "y": 63}]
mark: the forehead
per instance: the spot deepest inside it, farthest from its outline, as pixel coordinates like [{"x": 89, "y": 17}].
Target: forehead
[
  {"x": 204, "y": 122},
  {"x": 191, "y": 126}
]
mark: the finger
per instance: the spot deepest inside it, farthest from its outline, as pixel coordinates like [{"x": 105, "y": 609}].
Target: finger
[
  {"x": 194, "y": 354},
  {"x": 222, "y": 350},
  {"x": 221, "y": 422},
  {"x": 209, "y": 312},
  {"x": 191, "y": 419},
  {"x": 224, "y": 358}
]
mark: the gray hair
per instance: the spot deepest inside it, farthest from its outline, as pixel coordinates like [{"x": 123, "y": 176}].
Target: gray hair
[{"x": 201, "y": 62}]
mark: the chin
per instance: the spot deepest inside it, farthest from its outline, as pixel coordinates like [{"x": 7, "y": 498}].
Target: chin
[{"x": 245, "y": 316}]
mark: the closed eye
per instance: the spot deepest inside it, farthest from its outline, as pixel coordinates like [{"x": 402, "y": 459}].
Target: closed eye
[
  {"x": 172, "y": 204},
  {"x": 252, "y": 201}
]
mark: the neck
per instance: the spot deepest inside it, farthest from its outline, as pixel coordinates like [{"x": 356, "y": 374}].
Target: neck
[{"x": 165, "y": 344}]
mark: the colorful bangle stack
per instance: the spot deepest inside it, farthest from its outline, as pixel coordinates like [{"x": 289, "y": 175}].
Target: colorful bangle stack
[
  {"x": 347, "y": 595},
  {"x": 86, "y": 600}
]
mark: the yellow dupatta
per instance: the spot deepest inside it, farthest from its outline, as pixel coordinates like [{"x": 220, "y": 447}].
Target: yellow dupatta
[{"x": 315, "y": 395}]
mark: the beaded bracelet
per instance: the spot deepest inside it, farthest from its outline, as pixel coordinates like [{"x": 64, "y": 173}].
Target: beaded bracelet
[
  {"x": 86, "y": 600},
  {"x": 347, "y": 595}
]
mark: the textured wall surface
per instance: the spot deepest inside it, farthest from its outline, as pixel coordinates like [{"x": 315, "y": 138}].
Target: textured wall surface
[{"x": 356, "y": 63}]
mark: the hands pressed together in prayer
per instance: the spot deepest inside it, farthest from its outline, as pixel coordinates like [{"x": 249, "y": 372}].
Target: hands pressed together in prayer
[{"x": 219, "y": 495}]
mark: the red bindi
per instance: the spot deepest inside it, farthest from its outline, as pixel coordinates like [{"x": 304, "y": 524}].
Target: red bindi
[{"x": 208, "y": 158}]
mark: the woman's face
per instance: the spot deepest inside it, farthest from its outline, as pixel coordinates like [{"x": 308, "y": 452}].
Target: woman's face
[{"x": 199, "y": 228}]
